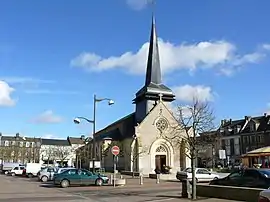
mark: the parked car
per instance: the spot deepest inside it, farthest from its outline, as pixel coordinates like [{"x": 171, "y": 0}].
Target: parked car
[
  {"x": 264, "y": 196},
  {"x": 18, "y": 170},
  {"x": 201, "y": 175},
  {"x": 48, "y": 173},
  {"x": 251, "y": 177},
  {"x": 7, "y": 167},
  {"x": 79, "y": 177}
]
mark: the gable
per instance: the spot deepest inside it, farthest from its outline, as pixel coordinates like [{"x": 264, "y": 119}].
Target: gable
[{"x": 159, "y": 111}]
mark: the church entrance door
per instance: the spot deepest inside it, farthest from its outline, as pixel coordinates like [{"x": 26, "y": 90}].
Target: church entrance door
[{"x": 160, "y": 161}]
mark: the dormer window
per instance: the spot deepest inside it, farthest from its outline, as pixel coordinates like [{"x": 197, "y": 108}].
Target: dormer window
[
  {"x": 237, "y": 129},
  {"x": 252, "y": 127},
  {"x": 21, "y": 144},
  {"x": 27, "y": 144}
]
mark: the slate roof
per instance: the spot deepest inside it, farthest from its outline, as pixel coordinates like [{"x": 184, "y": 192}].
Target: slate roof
[
  {"x": 55, "y": 142},
  {"x": 263, "y": 123},
  {"x": 127, "y": 124},
  {"x": 19, "y": 137},
  {"x": 153, "y": 83},
  {"x": 75, "y": 140}
]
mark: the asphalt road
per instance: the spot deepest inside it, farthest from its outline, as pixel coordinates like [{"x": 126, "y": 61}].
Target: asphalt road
[{"x": 16, "y": 189}]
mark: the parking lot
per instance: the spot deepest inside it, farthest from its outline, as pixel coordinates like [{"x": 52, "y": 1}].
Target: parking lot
[{"x": 21, "y": 189}]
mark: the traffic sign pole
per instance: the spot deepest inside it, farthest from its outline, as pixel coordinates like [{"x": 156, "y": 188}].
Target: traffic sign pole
[{"x": 115, "y": 151}]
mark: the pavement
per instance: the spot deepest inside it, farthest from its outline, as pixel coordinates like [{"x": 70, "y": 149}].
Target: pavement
[{"x": 19, "y": 189}]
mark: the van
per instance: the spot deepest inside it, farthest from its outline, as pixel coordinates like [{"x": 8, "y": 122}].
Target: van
[{"x": 32, "y": 169}]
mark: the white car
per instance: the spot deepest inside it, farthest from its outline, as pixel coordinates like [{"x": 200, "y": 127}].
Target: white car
[
  {"x": 18, "y": 170},
  {"x": 201, "y": 175},
  {"x": 264, "y": 196}
]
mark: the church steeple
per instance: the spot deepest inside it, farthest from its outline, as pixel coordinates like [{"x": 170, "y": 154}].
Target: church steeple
[
  {"x": 149, "y": 94},
  {"x": 153, "y": 72}
]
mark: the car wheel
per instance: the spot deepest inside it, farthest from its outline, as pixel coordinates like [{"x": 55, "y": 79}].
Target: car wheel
[
  {"x": 215, "y": 178},
  {"x": 99, "y": 182},
  {"x": 6, "y": 172},
  {"x": 64, "y": 183},
  {"x": 30, "y": 175},
  {"x": 13, "y": 174},
  {"x": 44, "y": 179}
]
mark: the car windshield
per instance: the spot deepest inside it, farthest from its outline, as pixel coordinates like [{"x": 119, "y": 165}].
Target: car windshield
[
  {"x": 188, "y": 170},
  {"x": 266, "y": 173}
]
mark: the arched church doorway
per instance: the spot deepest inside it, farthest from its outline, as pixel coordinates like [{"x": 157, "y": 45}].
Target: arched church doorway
[{"x": 161, "y": 157}]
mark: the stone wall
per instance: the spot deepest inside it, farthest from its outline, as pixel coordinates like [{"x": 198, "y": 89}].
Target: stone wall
[{"x": 231, "y": 193}]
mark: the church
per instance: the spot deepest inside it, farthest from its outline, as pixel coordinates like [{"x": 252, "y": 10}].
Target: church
[{"x": 143, "y": 136}]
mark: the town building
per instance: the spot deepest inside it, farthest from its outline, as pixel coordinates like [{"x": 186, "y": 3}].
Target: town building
[
  {"x": 144, "y": 135},
  {"x": 243, "y": 135},
  {"x": 21, "y": 149}
]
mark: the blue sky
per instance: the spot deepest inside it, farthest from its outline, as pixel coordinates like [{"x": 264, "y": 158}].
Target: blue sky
[{"x": 54, "y": 55}]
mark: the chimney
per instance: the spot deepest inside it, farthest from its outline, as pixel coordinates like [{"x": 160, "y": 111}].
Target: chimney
[
  {"x": 82, "y": 137},
  {"x": 17, "y": 134},
  {"x": 222, "y": 122}
]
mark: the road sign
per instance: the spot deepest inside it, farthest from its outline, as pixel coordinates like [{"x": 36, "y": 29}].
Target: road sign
[{"x": 115, "y": 150}]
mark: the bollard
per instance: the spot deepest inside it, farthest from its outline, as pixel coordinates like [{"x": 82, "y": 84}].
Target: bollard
[
  {"x": 184, "y": 189},
  {"x": 111, "y": 179},
  {"x": 158, "y": 178},
  {"x": 141, "y": 179}
]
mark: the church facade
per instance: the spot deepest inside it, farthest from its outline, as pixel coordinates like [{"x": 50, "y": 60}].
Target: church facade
[{"x": 145, "y": 136}]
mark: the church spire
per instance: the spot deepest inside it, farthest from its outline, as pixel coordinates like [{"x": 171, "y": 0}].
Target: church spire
[{"x": 153, "y": 72}]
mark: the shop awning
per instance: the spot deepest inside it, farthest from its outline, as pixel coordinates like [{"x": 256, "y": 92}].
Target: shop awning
[{"x": 264, "y": 151}]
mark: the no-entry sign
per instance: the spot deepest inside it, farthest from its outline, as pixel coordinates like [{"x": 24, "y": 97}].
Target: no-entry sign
[{"x": 115, "y": 150}]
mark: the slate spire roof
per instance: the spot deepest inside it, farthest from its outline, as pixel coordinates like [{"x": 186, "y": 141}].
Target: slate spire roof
[
  {"x": 153, "y": 72},
  {"x": 153, "y": 83}
]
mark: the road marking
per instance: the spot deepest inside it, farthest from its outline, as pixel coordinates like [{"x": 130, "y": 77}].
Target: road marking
[{"x": 161, "y": 200}]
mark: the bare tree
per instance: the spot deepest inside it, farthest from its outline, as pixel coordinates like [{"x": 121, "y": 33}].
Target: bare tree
[
  {"x": 194, "y": 119},
  {"x": 210, "y": 140},
  {"x": 48, "y": 152},
  {"x": 62, "y": 153}
]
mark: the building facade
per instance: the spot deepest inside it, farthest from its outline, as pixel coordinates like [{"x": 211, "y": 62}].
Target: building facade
[
  {"x": 241, "y": 136},
  {"x": 21, "y": 149}
]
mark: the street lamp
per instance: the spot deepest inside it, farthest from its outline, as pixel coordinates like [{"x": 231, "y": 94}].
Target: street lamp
[{"x": 77, "y": 120}]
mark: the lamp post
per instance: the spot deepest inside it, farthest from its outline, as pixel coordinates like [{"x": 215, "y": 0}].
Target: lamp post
[{"x": 77, "y": 120}]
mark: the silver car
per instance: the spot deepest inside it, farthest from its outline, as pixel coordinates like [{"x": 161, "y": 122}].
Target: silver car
[{"x": 47, "y": 174}]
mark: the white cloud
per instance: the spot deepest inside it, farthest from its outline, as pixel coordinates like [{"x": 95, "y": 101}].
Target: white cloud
[
  {"x": 137, "y": 4},
  {"x": 47, "y": 117},
  {"x": 206, "y": 54},
  {"x": 46, "y": 91},
  {"x": 51, "y": 136},
  {"x": 24, "y": 80},
  {"x": 5, "y": 94},
  {"x": 187, "y": 93},
  {"x": 266, "y": 46}
]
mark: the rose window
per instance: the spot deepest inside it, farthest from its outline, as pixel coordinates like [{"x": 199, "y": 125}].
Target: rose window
[{"x": 162, "y": 124}]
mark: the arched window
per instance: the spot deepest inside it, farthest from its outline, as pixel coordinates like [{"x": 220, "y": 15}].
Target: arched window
[{"x": 161, "y": 149}]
